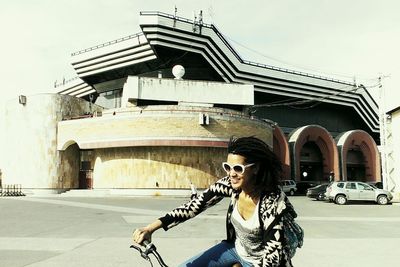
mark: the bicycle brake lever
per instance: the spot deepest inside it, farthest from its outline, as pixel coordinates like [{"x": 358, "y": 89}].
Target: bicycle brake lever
[
  {"x": 149, "y": 247},
  {"x": 143, "y": 253}
]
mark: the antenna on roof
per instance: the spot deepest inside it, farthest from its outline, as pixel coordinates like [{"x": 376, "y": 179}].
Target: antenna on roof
[
  {"x": 200, "y": 20},
  {"x": 198, "y": 23},
  {"x": 201, "y": 17},
  {"x": 176, "y": 11}
]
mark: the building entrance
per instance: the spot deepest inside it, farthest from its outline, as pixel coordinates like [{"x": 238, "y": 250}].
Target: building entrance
[
  {"x": 355, "y": 166},
  {"x": 311, "y": 164},
  {"x": 86, "y": 170}
]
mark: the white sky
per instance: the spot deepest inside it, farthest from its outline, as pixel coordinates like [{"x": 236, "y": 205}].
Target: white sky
[{"x": 357, "y": 38}]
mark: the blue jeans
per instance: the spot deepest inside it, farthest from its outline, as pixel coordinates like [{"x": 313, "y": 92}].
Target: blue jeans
[{"x": 221, "y": 255}]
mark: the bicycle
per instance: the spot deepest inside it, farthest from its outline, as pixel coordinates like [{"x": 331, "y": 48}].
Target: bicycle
[{"x": 149, "y": 248}]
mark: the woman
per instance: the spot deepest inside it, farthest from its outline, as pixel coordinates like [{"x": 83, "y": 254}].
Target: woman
[{"x": 254, "y": 221}]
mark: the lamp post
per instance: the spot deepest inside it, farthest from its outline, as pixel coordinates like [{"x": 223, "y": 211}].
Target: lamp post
[{"x": 382, "y": 133}]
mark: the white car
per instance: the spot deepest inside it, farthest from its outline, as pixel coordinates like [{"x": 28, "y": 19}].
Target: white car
[
  {"x": 341, "y": 192},
  {"x": 288, "y": 186}
]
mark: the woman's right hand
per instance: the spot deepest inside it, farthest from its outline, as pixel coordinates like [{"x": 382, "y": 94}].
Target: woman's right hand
[
  {"x": 145, "y": 233},
  {"x": 141, "y": 234}
]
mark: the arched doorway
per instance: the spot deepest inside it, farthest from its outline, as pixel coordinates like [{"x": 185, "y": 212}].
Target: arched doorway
[
  {"x": 359, "y": 157},
  {"x": 68, "y": 167},
  {"x": 313, "y": 154},
  {"x": 311, "y": 162}
]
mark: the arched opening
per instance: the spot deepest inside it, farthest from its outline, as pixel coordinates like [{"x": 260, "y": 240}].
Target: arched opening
[
  {"x": 311, "y": 162},
  {"x": 69, "y": 167},
  {"x": 359, "y": 157},
  {"x": 313, "y": 154}
]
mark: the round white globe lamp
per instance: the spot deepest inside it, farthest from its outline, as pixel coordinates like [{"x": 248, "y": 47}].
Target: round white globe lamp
[{"x": 178, "y": 71}]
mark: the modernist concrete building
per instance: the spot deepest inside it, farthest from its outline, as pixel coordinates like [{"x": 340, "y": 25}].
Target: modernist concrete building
[{"x": 127, "y": 122}]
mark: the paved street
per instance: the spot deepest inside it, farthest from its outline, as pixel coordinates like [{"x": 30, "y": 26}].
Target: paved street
[{"x": 95, "y": 231}]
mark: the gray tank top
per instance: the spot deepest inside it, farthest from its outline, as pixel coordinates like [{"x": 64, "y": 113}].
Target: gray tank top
[{"x": 248, "y": 241}]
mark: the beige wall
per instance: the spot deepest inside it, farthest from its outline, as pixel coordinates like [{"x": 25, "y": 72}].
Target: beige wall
[
  {"x": 152, "y": 167},
  {"x": 160, "y": 146},
  {"x": 163, "y": 125},
  {"x": 31, "y": 156}
]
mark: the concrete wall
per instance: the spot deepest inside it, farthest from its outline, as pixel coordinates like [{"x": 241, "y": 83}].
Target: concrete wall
[
  {"x": 393, "y": 153},
  {"x": 2, "y": 141},
  {"x": 30, "y": 131},
  {"x": 187, "y": 91}
]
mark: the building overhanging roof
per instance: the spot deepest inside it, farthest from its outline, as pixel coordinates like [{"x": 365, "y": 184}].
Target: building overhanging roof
[{"x": 142, "y": 53}]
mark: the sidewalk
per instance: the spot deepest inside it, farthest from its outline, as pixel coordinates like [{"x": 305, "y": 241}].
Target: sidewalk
[{"x": 82, "y": 231}]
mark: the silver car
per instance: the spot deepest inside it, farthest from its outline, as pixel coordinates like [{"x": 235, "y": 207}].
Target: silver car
[
  {"x": 288, "y": 186},
  {"x": 341, "y": 192}
]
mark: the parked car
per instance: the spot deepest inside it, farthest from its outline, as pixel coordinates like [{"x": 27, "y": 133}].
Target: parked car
[
  {"x": 317, "y": 192},
  {"x": 341, "y": 192},
  {"x": 288, "y": 186},
  {"x": 302, "y": 186}
]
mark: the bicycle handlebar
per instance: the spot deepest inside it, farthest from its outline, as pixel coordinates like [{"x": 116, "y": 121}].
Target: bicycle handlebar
[{"x": 149, "y": 248}]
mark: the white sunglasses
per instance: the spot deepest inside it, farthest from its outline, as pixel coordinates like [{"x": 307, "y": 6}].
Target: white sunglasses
[{"x": 237, "y": 168}]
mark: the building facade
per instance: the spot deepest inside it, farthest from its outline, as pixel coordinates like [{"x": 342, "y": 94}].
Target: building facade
[
  {"x": 135, "y": 125},
  {"x": 391, "y": 150}
]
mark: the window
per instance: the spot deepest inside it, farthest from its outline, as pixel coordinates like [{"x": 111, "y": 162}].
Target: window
[
  {"x": 364, "y": 186},
  {"x": 340, "y": 185},
  {"x": 351, "y": 186}
]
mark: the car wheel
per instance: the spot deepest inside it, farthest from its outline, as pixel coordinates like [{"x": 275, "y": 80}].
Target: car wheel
[
  {"x": 291, "y": 192},
  {"x": 382, "y": 200},
  {"x": 340, "y": 199},
  {"x": 320, "y": 197}
]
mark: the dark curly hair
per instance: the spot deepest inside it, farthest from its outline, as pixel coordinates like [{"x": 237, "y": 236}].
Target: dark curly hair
[{"x": 257, "y": 151}]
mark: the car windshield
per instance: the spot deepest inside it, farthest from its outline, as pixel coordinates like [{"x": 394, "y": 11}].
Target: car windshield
[{"x": 372, "y": 185}]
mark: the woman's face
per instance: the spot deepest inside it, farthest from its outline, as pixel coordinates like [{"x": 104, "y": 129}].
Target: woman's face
[{"x": 239, "y": 180}]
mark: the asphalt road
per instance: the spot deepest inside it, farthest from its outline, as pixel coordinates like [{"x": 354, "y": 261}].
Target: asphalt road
[{"x": 96, "y": 231}]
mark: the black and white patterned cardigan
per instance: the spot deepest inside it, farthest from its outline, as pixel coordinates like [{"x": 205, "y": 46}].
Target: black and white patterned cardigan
[{"x": 271, "y": 207}]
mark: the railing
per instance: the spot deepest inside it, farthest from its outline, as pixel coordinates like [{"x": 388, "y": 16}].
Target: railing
[
  {"x": 295, "y": 72},
  {"x": 166, "y": 15},
  {"x": 224, "y": 113},
  {"x": 136, "y": 35},
  {"x": 64, "y": 81},
  {"x": 11, "y": 190}
]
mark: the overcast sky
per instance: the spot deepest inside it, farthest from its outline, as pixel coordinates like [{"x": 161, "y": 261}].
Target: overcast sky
[{"x": 343, "y": 39}]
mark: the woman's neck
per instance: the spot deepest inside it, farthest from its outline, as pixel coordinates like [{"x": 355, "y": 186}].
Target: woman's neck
[{"x": 252, "y": 193}]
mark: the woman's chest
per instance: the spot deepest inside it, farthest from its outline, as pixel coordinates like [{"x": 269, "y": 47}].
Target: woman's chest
[{"x": 246, "y": 208}]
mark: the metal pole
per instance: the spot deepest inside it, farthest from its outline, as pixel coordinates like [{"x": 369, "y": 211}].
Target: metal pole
[{"x": 382, "y": 134}]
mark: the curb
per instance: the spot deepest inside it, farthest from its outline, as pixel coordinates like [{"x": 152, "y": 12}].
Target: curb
[{"x": 121, "y": 193}]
